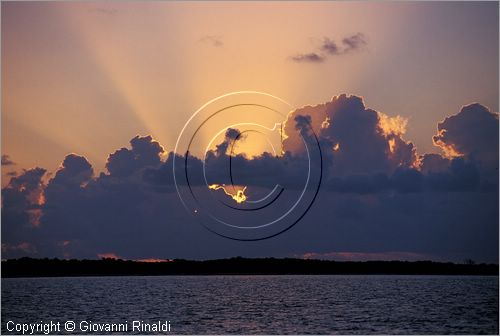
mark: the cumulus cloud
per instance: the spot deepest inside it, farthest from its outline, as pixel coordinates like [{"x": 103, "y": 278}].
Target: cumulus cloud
[
  {"x": 377, "y": 194},
  {"x": 352, "y": 135},
  {"x": 29, "y": 181},
  {"x": 22, "y": 202},
  {"x": 144, "y": 152},
  {"x": 75, "y": 170},
  {"x": 472, "y": 133}
]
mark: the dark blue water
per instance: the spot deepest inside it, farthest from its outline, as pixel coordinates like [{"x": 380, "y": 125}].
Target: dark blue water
[{"x": 263, "y": 304}]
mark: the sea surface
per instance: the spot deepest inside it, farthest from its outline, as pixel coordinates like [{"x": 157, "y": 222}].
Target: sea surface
[{"x": 290, "y": 304}]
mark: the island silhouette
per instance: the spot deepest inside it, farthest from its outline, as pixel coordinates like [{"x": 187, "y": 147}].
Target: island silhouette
[{"x": 29, "y": 267}]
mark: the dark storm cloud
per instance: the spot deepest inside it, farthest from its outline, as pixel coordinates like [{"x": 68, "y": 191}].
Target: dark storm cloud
[
  {"x": 145, "y": 152},
  {"x": 161, "y": 178},
  {"x": 22, "y": 201},
  {"x": 213, "y": 40},
  {"x": 461, "y": 175},
  {"x": 404, "y": 180},
  {"x": 6, "y": 161},
  {"x": 308, "y": 58},
  {"x": 329, "y": 47},
  {"x": 458, "y": 176},
  {"x": 230, "y": 137},
  {"x": 472, "y": 133},
  {"x": 302, "y": 123},
  {"x": 433, "y": 163},
  {"x": 377, "y": 194},
  {"x": 29, "y": 181},
  {"x": 359, "y": 184},
  {"x": 75, "y": 170},
  {"x": 351, "y": 136}
]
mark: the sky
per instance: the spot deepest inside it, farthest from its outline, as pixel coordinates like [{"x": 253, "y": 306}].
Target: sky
[{"x": 403, "y": 99}]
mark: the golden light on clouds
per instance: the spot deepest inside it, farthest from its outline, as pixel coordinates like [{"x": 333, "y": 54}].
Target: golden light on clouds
[
  {"x": 239, "y": 195},
  {"x": 86, "y": 76},
  {"x": 392, "y": 125},
  {"x": 392, "y": 145},
  {"x": 325, "y": 123},
  {"x": 449, "y": 150}
]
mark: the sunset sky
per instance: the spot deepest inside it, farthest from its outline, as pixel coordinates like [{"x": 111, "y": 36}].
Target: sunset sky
[{"x": 86, "y": 78}]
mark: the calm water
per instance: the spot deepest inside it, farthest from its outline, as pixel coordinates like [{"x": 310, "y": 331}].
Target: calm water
[{"x": 264, "y": 304}]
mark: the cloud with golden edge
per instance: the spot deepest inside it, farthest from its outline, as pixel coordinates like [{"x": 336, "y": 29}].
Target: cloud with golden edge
[{"x": 238, "y": 197}]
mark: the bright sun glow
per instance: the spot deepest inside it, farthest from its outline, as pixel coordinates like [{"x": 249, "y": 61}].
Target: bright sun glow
[{"x": 239, "y": 197}]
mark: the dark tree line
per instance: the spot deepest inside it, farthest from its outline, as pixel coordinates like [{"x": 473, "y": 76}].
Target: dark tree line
[{"x": 28, "y": 267}]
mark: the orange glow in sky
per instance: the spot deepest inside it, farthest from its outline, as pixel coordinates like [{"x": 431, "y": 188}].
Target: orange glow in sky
[{"x": 86, "y": 77}]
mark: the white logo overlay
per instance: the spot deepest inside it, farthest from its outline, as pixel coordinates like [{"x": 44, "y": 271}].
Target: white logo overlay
[{"x": 234, "y": 173}]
